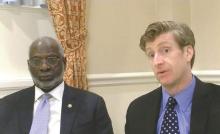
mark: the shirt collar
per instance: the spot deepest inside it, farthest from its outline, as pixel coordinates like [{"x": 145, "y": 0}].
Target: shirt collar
[
  {"x": 184, "y": 98},
  {"x": 56, "y": 93}
]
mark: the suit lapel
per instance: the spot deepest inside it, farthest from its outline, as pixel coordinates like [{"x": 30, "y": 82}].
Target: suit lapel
[
  {"x": 25, "y": 110},
  {"x": 69, "y": 107},
  {"x": 200, "y": 108},
  {"x": 154, "y": 110},
  {"x": 150, "y": 114}
]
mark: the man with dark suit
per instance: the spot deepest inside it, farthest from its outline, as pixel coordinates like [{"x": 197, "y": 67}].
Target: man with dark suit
[
  {"x": 182, "y": 104},
  {"x": 70, "y": 110}
]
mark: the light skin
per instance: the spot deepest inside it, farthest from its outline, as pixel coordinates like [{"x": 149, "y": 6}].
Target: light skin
[
  {"x": 170, "y": 63},
  {"x": 46, "y": 76}
]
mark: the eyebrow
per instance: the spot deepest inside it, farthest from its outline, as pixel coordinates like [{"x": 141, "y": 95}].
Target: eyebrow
[{"x": 160, "y": 44}]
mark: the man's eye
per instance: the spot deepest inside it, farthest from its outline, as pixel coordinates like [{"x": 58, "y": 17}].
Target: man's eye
[
  {"x": 165, "y": 50},
  {"x": 150, "y": 55},
  {"x": 52, "y": 60},
  {"x": 35, "y": 61}
]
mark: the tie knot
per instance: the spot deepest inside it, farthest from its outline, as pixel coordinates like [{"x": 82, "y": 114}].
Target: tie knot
[
  {"x": 46, "y": 96},
  {"x": 171, "y": 103}
]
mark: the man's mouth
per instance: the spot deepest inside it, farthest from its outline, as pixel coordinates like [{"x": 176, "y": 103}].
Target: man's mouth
[
  {"x": 163, "y": 72},
  {"x": 45, "y": 77}
]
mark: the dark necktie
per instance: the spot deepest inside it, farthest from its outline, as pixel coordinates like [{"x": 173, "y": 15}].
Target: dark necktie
[{"x": 170, "y": 120}]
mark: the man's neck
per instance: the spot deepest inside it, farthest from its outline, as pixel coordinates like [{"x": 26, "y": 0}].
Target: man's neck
[{"x": 180, "y": 85}]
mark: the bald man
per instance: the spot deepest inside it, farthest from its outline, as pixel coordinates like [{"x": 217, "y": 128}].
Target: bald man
[{"x": 71, "y": 110}]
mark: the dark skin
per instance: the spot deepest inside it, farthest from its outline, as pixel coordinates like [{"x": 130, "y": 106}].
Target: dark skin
[{"x": 46, "y": 76}]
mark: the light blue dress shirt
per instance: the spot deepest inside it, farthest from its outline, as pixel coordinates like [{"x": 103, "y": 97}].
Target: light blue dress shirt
[{"x": 183, "y": 107}]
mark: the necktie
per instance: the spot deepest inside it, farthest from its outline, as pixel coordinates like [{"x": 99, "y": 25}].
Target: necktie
[
  {"x": 170, "y": 120},
  {"x": 41, "y": 117}
]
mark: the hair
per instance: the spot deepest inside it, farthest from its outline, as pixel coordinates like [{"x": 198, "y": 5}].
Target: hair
[{"x": 181, "y": 32}]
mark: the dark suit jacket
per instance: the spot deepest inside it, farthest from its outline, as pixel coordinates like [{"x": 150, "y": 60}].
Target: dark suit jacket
[
  {"x": 143, "y": 112},
  {"x": 88, "y": 114}
]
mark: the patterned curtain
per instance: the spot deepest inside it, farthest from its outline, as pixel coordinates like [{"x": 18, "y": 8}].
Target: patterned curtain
[{"x": 69, "y": 22}]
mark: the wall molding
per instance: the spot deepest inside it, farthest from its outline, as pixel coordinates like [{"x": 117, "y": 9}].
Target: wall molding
[
  {"x": 111, "y": 79},
  {"x": 114, "y": 79}
]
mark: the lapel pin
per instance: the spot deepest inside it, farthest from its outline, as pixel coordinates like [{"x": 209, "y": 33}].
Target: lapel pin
[{"x": 69, "y": 105}]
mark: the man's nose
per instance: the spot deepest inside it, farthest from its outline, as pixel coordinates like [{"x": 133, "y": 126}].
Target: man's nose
[
  {"x": 158, "y": 59},
  {"x": 44, "y": 66}
]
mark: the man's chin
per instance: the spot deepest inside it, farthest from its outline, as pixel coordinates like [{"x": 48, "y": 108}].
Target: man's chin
[
  {"x": 164, "y": 82},
  {"x": 46, "y": 86}
]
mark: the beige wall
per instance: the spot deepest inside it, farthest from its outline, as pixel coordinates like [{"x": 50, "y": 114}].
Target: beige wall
[
  {"x": 206, "y": 25},
  {"x": 114, "y": 29},
  {"x": 178, "y": 10}
]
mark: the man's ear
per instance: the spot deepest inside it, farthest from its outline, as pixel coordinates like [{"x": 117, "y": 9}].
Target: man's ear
[
  {"x": 189, "y": 52},
  {"x": 64, "y": 61}
]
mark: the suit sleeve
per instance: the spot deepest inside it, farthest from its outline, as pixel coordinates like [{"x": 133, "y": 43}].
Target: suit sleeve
[
  {"x": 127, "y": 124},
  {"x": 102, "y": 119},
  {"x": 8, "y": 125}
]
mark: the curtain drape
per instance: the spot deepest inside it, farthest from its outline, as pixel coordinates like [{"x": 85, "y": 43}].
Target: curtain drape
[{"x": 69, "y": 22}]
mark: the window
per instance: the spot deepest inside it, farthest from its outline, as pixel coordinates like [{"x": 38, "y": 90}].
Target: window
[{"x": 27, "y": 3}]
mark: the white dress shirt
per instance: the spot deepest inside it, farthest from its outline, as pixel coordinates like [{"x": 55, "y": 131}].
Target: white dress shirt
[{"x": 55, "y": 107}]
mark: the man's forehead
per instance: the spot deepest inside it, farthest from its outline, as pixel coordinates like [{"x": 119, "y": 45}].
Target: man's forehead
[
  {"x": 42, "y": 48},
  {"x": 161, "y": 40},
  {"x": 45, "y": 43}
]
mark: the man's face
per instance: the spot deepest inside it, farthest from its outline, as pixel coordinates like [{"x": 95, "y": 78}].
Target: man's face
[
  {"x": 46, "y": 65},
  {"x": 170, "y": 63}
]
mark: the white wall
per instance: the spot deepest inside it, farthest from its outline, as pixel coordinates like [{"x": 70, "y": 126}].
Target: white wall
[{"x": 18, "y": 28}]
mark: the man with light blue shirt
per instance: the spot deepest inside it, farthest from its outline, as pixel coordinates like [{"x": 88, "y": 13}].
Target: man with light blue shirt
[
  {"x": 182, "y": 104},
  {"x": 184, "y": 99}
]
